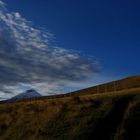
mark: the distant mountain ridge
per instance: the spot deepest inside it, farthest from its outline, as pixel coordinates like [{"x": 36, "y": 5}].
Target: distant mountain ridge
[
  {"x": 114, "y": 86},
  {"x": 29, "y": 94},
  {"x": 114, "y": 115}
]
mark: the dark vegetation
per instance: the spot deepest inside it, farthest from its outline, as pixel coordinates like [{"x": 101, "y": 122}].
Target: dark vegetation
[{"x": 107, "y": 116}]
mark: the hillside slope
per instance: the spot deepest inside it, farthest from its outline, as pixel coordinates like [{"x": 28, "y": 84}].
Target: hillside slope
[
  {"x": 118, "y": 85},
  {"x": 29, "y": 94},
  {"x": 107, "y": 116}
]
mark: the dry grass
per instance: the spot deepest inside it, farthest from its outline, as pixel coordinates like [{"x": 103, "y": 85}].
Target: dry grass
[
  {"x": 84, "y": 116},
  {"x": 69, "y": 118}
]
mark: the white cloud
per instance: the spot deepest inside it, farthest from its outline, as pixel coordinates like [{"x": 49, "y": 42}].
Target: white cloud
[{"x": 28, "y": 60}]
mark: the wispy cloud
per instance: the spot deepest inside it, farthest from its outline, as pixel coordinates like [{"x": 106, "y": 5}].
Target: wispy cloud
[{"x": 28, "y": 60}]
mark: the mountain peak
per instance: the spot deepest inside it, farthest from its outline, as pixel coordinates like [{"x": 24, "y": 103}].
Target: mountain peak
[
  {"x": 30, "y": 91},
  {"x": 29, "y": 94}
]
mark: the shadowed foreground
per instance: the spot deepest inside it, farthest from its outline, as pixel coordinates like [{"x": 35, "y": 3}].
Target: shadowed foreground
[{"x": 108, "y": 116}]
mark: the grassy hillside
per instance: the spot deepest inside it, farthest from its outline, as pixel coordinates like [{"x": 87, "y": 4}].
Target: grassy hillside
[
  {"x": 107, "y": 116},
  {"x": 123, "y": 84}
]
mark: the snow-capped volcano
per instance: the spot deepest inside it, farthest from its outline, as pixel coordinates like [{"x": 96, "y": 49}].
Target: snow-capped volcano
[{"x": 26, "y": 95}]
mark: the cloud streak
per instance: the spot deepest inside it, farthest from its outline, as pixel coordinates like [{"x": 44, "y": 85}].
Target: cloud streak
[{"x": 28, "y": 60}]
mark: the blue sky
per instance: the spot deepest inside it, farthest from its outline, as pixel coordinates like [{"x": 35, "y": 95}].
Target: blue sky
[{"x": 108, "y": 31}]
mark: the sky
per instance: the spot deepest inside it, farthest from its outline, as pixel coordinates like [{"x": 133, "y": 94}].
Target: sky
[{"x": 82, "y": 43}]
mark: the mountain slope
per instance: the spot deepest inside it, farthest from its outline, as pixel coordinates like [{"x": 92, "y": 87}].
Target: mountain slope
[
  {"x": 29, "y": 94},
  {"x": 98, "y": 117},
  {"x": 107, "y": 116},
  {"x": 123, "y": 84}
]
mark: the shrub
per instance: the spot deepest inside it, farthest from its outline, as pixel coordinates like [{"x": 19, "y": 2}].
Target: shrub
[{"x": 76, "y": 99}]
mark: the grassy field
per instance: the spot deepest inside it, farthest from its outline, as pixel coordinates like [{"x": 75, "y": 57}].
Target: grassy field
[
  {"x": 119, "y": 85},
  {"x": 107, "y": 116}
]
